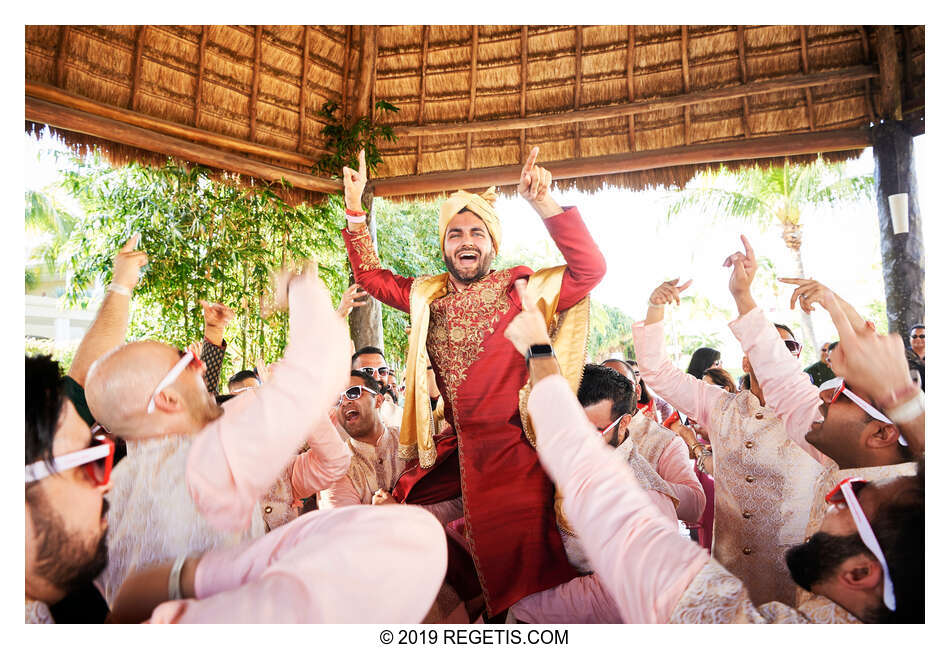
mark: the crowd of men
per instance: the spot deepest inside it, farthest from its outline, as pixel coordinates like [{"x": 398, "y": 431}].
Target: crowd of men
[{"x": 505, "y": 479}]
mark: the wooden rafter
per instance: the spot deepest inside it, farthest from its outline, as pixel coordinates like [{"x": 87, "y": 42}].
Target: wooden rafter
[
  {"x": 631, "y": 89},
  {"x": 578, "y": 72},
  {"x": 803, "y": 36},
  {"x": 762, "y": 86},
  {"x": 124, "y": 116},
  {"x": 866, "y": 49},
  {"x": 202, "y": 42},
  {"x": 422, "y": 91},
  {"x": 61, "y": 56},
  {"x": 744, "y": 76},
  {"x": 255, "y": 81},
  {"x": 304, "y": 77},
  {"x": 69, "y": 119},
  {"x": 524, "y": 89},
  {"x": 346, "y": 68},
  {"x": 684, "y": 48},
  {"x": 886, "y": 46},
  {"x": 137, "y": 67},
  {"x": 763, "y": 147},
  {"x": 907, "y": 87},
  {"x": 364, "y": 88},
  {"x": 473, "y": 84}
]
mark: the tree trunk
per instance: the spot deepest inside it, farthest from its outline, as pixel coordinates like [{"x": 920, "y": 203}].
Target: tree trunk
[
  {"x": 366, "y": 322},
  {"x": 902, "y": 255}
]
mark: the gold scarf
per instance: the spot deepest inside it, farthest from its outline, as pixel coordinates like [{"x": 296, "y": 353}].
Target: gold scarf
[{"x": 568, "y": 334}]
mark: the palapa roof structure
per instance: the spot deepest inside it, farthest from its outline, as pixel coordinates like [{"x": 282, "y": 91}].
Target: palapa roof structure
[{"x": 615, "y": 105}]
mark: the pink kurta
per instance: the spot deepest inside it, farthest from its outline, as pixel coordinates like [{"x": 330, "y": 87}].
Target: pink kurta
[
  {"x": 238, "y": 456},
  {"x": 323, "y": 567},
  {"x": 651, "y": 572}
]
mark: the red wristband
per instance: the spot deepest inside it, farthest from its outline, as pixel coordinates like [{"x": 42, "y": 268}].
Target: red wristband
[{"x": 350, "y": 212}]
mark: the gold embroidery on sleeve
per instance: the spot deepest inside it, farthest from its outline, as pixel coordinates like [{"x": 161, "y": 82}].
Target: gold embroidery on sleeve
[{"x": 363, "y": 245}]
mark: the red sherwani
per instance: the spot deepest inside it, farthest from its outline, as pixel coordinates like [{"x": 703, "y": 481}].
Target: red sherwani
[{"x": 485, "y": 457}]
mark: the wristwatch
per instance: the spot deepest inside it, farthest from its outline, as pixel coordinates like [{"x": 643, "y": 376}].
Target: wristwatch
[{"x": 543, "y": 350}]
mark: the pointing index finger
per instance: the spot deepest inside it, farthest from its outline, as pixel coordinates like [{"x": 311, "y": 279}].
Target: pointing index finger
[
  {"x": 748, "y": 248},
  {"x": 529, "y": 163},
  {"x": 363, "y": 162},
  {"x": 131, "y": 243}
]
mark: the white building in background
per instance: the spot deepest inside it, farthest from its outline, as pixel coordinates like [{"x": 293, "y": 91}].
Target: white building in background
[{"x": 45, "y": 315}]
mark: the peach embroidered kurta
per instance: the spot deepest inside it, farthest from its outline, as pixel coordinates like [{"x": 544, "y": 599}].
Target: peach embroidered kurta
[
  {"x": 650, "y": 571},
  {"x": 371, "y": 468}
]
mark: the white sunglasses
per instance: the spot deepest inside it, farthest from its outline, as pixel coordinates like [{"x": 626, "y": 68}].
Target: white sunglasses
[
  {"x": 170, "y": 378},
  {"x": 868, "y": 538},
  {"x": 837, "y": 384},
  {"x": 39, "y": 470}
]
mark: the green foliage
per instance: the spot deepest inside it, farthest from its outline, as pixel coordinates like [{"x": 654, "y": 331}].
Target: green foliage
[
  {"x": 205, "y": 239},
  {"x": 345, "y": 140},
  {"x": 62, "y": 354},
  {"x": 610, "y": 331}
]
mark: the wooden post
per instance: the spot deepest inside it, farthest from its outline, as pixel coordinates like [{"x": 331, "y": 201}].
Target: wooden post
[
  {"x": 366, "y": 322},
  {"x": 902, "y": 255}
]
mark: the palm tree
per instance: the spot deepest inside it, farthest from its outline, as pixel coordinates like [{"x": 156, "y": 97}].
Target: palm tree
[{"x": 774, "y": 196}]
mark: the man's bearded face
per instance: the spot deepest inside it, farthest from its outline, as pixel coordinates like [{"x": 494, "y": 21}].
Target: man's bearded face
[{"x": 467, "y": 250}]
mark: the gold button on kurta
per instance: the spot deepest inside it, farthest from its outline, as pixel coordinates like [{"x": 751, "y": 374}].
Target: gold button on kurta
[
  {"x": 749, "y": 478},
  {"x": 749, "y": 444},
  {"x": 747, "y": 514},
  {"x": 747, "y": 550}
]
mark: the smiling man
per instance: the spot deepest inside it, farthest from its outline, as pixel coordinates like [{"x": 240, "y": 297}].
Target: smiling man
[{"x": 457, "y": 318}]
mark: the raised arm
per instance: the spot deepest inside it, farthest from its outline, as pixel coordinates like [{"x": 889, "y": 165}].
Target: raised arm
[
  {"x": 585, "y": 263},
  {"x": 785, "y": 387},
  {"x": 216, "y": 317},
  {"x": 689, "y": 395},
  {"x": 112, "y": 321},
  {"x": 382, "y": 284},
  {"x": 323, "y": 464},
  {"x": 238, "y": 456}
]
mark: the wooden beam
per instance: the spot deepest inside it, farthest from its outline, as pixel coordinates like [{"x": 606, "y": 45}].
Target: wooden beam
[
  {"x": 803, "y": 37},
  {"x": 70, "y": 119},
  {"x": 61, "y": 56},
  {"x": 255, "y": 81},
  {"x": 578, "y": 72},
  {"x": 368, "y": 36},
  {"x": 304, "y": 76},
  {"x": 346, "y": 68},
  {"x": 744, "y": 75},
  {"x": 907, "y": 87},
  {"x": 753, "y": 148},
  {"x": 684, "y": 50},
  {"x": 69, "y": 100},
  {"x": 202, "y": 42},
  {"x": 631, "y": 90},
  {"x": 886, "y": 46},
  {"x": 866, "y": 48},
  {"x": 524, "y": 89},
  {"x": 473, "y": 84},
  {"x": 422, "y": 91},
  {"x": 137, "y": 67},
  {"x": 763, "y": 86}
]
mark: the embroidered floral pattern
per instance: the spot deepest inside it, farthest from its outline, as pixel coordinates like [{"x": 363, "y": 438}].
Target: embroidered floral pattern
[
  {"x": 651, "y": 438},
  {"x": 458, "y": 324},
  {"x": 363, "y": 245},
  {"x": 715, "y": 596}
]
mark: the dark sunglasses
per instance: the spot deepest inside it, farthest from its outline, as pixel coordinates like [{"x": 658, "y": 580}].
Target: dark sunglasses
[
  {"x": 793, "y": 346},
  {"x": 353, "y": 393},
  {"x": 915, "y": 336}
]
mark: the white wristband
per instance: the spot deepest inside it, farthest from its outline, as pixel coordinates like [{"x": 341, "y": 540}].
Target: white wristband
[
  {"x": 907, "y": 411},
  {"x": 356, "y": 219},
  {"x": 174, "y": 579},
  {"x": 121, "y": 290}
]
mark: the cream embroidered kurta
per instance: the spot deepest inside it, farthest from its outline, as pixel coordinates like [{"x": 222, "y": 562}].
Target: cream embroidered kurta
[
  {"x": 651, "y": 572},
  {"x": 315, "y": 570},
  {"x": 668, "y": 455},
  {"x": 371, "y": 468}
]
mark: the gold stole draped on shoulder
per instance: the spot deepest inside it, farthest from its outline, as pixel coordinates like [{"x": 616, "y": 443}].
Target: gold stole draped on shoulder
[{"x": 569, "y": 339}]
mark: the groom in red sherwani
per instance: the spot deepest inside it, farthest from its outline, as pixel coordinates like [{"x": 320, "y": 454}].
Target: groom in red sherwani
[{"x": 458, "y": 321}]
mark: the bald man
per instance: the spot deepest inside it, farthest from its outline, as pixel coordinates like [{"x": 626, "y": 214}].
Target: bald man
[{"x": 195, "y": 471}]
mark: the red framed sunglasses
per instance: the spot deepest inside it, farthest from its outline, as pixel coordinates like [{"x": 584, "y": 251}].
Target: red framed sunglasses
[
  {"x": 836, "y": 496},
  {"x": 96, "y": 459}
]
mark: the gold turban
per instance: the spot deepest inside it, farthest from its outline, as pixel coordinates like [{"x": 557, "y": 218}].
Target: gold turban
[{"x": 482, "y": 206}]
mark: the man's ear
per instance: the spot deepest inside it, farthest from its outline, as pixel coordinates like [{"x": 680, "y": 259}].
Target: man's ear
[
  {"x": 169, "y": 401},
  {"x": 883, "y": 436},
  {"x": 378, "y": 400},
  {"x": 860, "y": 572},
  {"x": 622, "y": 431}
]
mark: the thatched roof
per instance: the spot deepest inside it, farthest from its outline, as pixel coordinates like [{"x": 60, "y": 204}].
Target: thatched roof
[{"x": 596, "y": 99}]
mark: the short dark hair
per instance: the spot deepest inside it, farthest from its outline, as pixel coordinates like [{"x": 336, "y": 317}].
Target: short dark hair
[
  {"x": 916, "y": 326},
  {"x": 833, "y": 345},
  {"x": 722, "y": 378},
  {"x": 45, "y": 400},
  {"x": 786, "y": 328},
  {"x": 244, "y": 375},
  {"x": 368, "y": 381},
  {"x": 899, "y": 528},
  {"x": 369, "y": 349},
  {"x": 599, "y": 383}
]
